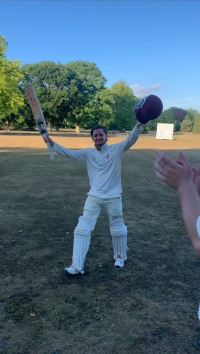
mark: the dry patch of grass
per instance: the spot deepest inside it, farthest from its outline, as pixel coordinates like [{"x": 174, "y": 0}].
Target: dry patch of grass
[
  {"x": 149, "y": 306},
  {"x": 34, "y": 141}
]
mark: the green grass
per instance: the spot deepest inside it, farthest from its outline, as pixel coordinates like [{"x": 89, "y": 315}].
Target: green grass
[{"x": 150, "y": 306}]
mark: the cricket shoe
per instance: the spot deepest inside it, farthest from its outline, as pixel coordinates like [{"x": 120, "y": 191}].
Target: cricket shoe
[
  {"x": 119, "y": 263},
  {"x": 73, "y": 271}
]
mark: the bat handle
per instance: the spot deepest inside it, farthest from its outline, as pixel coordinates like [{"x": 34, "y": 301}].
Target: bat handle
[
  {"x": 48, "y": 145},
  {"x": 50, "y": 151}
]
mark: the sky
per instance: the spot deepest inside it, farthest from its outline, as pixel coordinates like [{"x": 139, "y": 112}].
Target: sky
[{"x": 154, "y": 46}]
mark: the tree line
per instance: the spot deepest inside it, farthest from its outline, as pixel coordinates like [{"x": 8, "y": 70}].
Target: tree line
[{"x": 74, "y": 95}]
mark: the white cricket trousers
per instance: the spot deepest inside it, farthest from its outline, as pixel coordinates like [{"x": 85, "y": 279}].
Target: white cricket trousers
[
  {"x": 94, "y": 205},
  {"x": 87, "y": 222}
]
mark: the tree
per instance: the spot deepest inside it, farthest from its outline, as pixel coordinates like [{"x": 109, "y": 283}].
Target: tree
[
  {"x": 23, "y": 118},
  {"x": 11, "y": 98},
  {"x": 84, "y": 88},
  {"x": 186, "y": 125},
  {"x": 166, "y": 116},
  {"x": 179, "y": 113},
  {"x": 100, "y": 109},
  {"x": 177, "y": 126},
  {"x": 196, "y": 126},
  {"x": 191, "y": 113},
  {"x": 66, "y": 92},
  {"x": 49, "y": 80},
  {"x": 3, "y": 46},
  {"x": 123, "y": 117},
  {"x": 151, "y": 125}
]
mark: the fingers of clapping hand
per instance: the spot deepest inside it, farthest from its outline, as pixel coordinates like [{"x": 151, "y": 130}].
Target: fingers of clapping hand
[
  {"x": 165, "y": 168},
  {"x": 182, "y": 159},
  {"x": 196, "y": 173},
  {"x": 194, "y": 169},
  {"x": 160, "y": 163},
  {"x": 166, "y": 161},
  {"x": 163, "y": 162},
  {"x": 160, "y": 175},
  {"x": 160, "y": 159}
]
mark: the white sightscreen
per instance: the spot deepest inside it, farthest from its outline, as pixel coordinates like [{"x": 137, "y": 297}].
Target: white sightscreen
[{"x": 165, "y": 131}]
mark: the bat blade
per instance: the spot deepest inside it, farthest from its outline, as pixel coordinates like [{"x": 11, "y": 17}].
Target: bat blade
[{"x": 38, "y": 114}]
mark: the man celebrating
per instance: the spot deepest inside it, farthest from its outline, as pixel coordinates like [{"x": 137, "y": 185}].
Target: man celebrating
[{"x": 104, "y": 171}]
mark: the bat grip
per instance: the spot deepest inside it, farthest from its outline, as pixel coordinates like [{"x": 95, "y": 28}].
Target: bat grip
[
  {"x": 49, "y": 147},
  {"x": 50, "y": 151}
]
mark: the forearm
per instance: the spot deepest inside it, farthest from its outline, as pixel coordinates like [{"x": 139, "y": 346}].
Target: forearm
[
  {"x": 138, "y": 125},
  {"x": 132, "y": 137},
  {"x": 190, "y": 205}
]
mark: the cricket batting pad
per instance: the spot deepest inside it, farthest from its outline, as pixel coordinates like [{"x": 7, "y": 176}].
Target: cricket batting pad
[
  {"x": 82, "y": 234},
  {"x": 118, "y": 232},
  {"x": 38, "y": 114}
]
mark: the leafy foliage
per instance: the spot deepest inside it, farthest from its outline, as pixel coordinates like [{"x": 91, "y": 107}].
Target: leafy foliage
[
  {"x": 196, "y": 126},
  {"x": 65, "y": 91},
  {"x": 186, "y": 125},
  {"x": 173, "y": 115},
  {"x": 123, "y": 118},
  {"x": 100, "y": 109},
  {"x": 191, "y": 113},
  {"x": 166, "y": 116},
  {"x": 11, "y": 98},
  {"x": 74, "y": 95},
  {"x": 178, "y": 113},
  {"x": 49, "y": 80},
  {"x": 3, "y": 47},
  {"x": 84, "y": 86}
]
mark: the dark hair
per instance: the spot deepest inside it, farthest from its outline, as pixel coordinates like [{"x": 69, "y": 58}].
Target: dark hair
[{"x": 98, "y": 127}]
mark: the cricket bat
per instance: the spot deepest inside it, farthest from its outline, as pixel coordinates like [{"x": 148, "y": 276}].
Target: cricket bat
[{"x": 38, "y": 114}]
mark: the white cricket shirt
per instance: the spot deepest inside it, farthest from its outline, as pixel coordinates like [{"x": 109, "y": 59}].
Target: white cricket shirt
[{"x": 104, "y": 167}]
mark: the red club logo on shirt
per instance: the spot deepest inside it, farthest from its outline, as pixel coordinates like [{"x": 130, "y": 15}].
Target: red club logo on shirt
[{"x": 107, "y": 156}]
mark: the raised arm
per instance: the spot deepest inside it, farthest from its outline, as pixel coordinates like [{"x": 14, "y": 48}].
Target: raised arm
[
  {"x": 74, "y": 154},
  {"x": 131, "y": 138},
  {"x": 179, "y": 175}
]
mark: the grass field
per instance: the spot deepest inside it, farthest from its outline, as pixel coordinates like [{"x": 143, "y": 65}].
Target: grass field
[{"x": 148, "y": 307}]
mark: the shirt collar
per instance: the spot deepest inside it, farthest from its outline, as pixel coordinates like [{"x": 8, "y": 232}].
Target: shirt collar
[{"x": 104, "y": 147}]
